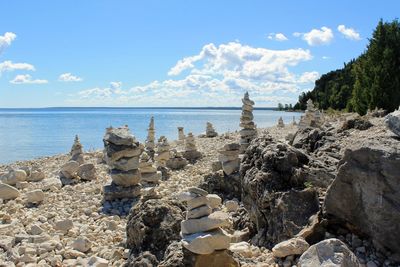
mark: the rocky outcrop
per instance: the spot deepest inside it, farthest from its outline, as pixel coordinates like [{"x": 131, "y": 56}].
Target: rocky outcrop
[
  {"x": 273, "y": 176},
  {"x": 356, "y": 123},
  {"x": 366, "y": 192},
  {"x": 219, "y": 183},
  {"x": 392, "y": 121},
  {"x": 153, "y": 225},
  {"x": 330, "y": 252}
]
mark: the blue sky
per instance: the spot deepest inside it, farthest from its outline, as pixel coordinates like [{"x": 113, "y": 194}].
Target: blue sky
[{"x": 176, "y": 53}]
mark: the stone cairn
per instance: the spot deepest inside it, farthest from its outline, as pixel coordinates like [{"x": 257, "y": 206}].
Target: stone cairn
[
  {"x": 122, "y": 154},
  {"x": 150, "y": 176},
  {"x": 311, "y": 118},
  {"x": 191, "y": 152},
  {"x": 177, "y": 161},
  {"x": 181, "y": 136},
  {"x": 162, "y": 154},
  {"x": 294, "y": 121},
  {"x": 201, "y": 231},
  {"x": 249, "y": 131},
  {"x": 150, "y": 140},
  {"x": 210, "y": 131},
  {"x": 75, "y": 169},
  {"x": 229, "y": 158},
  {"x": 281, "y": 124}
]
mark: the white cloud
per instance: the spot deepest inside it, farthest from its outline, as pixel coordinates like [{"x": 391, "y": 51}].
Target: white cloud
[
  {"x": 309, "y": 77},
  {"x": 26, "y": 79},
  {"x": 216, "y": 76},
  {"x": 10, "y": 66},
  {"x": 349, "y": 33},
  {"x": 68, "y": 77},
  {"x": 297, "y": 34},
  {"x": 6, "y": 40},
  {"x": 318, "y": 37},
  {"x": 277, "y": 37},
  {"x": 325, "y": 57}
]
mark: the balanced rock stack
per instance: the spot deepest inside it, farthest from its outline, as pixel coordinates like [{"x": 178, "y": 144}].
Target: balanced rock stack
[
  {"x": 229, "y": 158},
  {"x": 191, "y": 152},
  {"x": 122, "y": 154},
  {"x": 163, "y": 154},
  {"x": 210, "y": 131},
  {"x": 75, "y": 170},
  {"x": 77, "y": 151},
  {"x": 177, "y": 161},
  {"x": 311, "y": 118},
  {"x": 201, "y": 232},
  {"x": 148, "y": 171},
  {"x": 280, "y": 123},
  {"x": 150, "y": 140},
  {"x": 181, "y": 136},
  {"x": 294, "y": 121},
  {"x": 249, "y": 131}
]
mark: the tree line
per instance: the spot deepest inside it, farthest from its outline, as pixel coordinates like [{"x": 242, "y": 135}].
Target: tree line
[{"x": 370, "y": 81}]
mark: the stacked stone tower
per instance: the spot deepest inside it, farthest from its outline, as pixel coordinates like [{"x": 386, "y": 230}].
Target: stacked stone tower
[
  {"x": 150, "y": 140},
  {"x": 77, "y": 151},
  {"x": 210, "y": 131},
  {"x": 191, "y": 152},
  {"x": 248, "y": 131},
  {"x": 229, "y": 158}
]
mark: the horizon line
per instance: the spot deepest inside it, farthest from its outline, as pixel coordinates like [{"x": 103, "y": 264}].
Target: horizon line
[{"x": 108, "y": 107}]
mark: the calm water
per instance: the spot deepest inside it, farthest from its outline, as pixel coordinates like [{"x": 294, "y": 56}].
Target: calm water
[{"x": 31, "y": 133}]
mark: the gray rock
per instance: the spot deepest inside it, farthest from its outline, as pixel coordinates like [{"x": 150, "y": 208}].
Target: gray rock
[
  {"x": 8, "y": 192},
  {"x": 35, "y": 196},
  {"x": 293, "y": 246},
  {"x": 392, "y": 121},
  {"x": 366, "y": 192},
  {"x": 126, "y": 178},
  {"x": 13, "y": 176},
  {"x": 87, "y": 172},
  {"x": 114, "y": 191},
  {"x": 119, "y": 136},
  {"x": 328, "y": 253},
  {"x": 69, "y": 170}
]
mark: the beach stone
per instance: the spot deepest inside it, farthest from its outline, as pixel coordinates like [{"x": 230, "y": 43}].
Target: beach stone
[
  {"x": 115, "y": 152},
  {"x": 13, "y": 176},
  {"x": 330, "y": 252},
  {"x": 125, "y": 164},
  {"x": 35, "y": 196},
  {"x": 206, "y": 242},
  {"x": 197, "y": 202},
  {"x": 36, "y": 229},
  {"x": 392, "y": 121},
  {"x": 231, "y": 205},
  {"x": 207, "y": 223},
  {"x": 87, "y": 172},
  {"x": 64, "y": 225},
  {"x": 114, "y": 191},
  {"x": 126, "y": 178},
  {"x": 186, "y": 196},
  {"x": 6, "y": 242},
  {"x": 69, "y": 170},
  {"x": 95, "y": 261},
  {"x": 231, "y": 166},
  {"x": 8, "y": 192},
  {"x": 293, "y": 246},
  {"x": 199, "y": 212},
  {"x": 151, "y": 177},
  {"x": 82, "y": 244},
  {"x": 214, "y": 201},
  {"x": 36, "y": 176},
  {"x": 50, "y": 184},
  {"x": 177, "y": 163},
  {"x": 119, "y": 136},
  {"x": 198, "y": 191}
]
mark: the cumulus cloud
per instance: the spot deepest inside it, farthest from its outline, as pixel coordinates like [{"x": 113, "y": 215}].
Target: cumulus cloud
[
  {"x": 27, "y": 79},
  {"x": 6, "y": 40},
  {"x": 68, "y": 77},
  {"x": 217, "y": 75},
  {"x": 277, "y": 37},
  {"x": 349, "y": 33},
  {"x": 309, "y": 77},
  {"x": 318, "y": 37},
  {"x": 10, "y": 66}
]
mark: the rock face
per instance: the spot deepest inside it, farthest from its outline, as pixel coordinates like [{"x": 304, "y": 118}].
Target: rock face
[
  {"x": 392, "y": 121},
  {"x": 153, "y": 225},
  {"x": 201, "y": 231},
  {"x": 220, "y": 183},
  {"x": 248, "y": 131},
  {"x": 163, "y": 154},
  {"x": 191, "y": 153},
  {"x": 210, "y": 131},
  {"x": 8, "y": 192},
  {"x": 77, "y": 151},
  {"x": 150, "y": 140},
  {"x": 148, "y": 170},
  {"x": 122, "y": 154},
  {"x": 366, "y": 192},
  {"x": 330, "y": 252},
  {"x": 273, "y": 177},
  {"x": 229, "y": 158},
  {"x": 280, "y": 123}
]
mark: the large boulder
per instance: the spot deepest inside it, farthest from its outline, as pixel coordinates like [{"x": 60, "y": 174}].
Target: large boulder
[
  {"x": 8, "y": 192},
  {"x": 328, "y": 253},
  {"x": 392, "y": 121},
  {"x": 366, "y": 192},
  {"x": 273, "y": 190},
  {"x": 13, "y": 176},
  {"x": 153, "y": 225}
]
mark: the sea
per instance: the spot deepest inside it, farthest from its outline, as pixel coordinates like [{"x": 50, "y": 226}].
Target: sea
[{"x": 31, "y": 133}]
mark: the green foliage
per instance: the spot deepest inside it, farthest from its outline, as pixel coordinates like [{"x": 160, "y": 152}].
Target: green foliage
[
  {"x": 372, "y": 80},
  {"x": 308, "y": 185}
]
